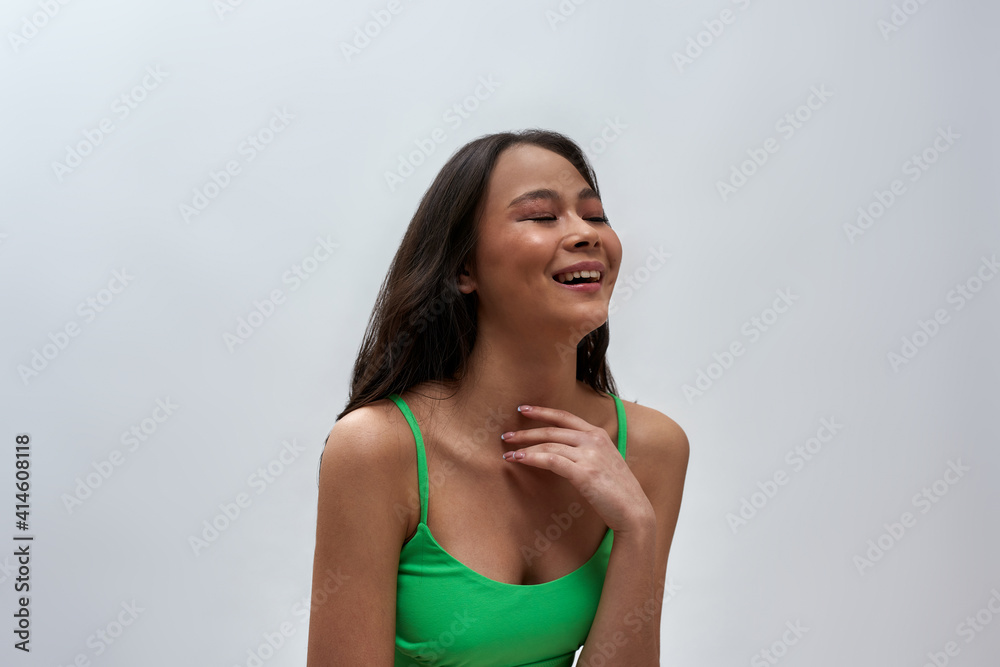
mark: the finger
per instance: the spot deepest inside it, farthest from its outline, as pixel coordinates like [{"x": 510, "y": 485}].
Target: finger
[
  {"x": 566, "y": 451},
  {"x": 554, "y": 458},
  {"x": 536, "y": 436},
  {"x": 595, "y": 438},
  {"x": 555, "y": 416}
]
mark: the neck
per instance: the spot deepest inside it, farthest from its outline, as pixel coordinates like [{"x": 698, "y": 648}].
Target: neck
[{"x": 508, "y": 368}]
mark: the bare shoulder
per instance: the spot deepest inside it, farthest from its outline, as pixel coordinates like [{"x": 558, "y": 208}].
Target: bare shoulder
[
  {"x": 362, "y": 520},
  {"x": 370, "y": 453},
  {"x": 374, "y": 434},
  {"x": 657, "y": 452},
  {"x": 655, "y": 441}
]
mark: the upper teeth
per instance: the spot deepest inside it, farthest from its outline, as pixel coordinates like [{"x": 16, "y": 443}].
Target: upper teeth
[{"x": 566, "y": 277}]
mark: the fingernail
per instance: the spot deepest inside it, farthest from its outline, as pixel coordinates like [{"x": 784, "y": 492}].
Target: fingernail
[{"x": 518, "y": 455}]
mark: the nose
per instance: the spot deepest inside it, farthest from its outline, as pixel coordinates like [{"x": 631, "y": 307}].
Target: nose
[{"x": 581, "y": 232}]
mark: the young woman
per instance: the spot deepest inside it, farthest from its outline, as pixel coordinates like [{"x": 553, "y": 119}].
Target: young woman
[{"x": 485, "y": 497}]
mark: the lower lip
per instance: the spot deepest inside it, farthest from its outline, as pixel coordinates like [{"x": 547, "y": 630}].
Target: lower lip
[{"x": 582, "y": 287}]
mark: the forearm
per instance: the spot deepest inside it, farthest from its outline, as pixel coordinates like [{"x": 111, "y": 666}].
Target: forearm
[{"x": 622, "y": 634}]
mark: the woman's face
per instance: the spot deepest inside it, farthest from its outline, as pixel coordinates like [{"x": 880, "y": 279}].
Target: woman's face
[{"x": 539, "y": 218}]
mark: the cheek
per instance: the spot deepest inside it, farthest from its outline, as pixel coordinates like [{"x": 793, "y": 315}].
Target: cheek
[
  {"x": 613, "y": 246},
  {"x": 529, "y": 248},
  {"x": 509, "y": 260}
]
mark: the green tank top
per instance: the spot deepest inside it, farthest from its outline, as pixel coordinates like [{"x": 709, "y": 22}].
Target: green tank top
[{"x": 450, "y": 615}]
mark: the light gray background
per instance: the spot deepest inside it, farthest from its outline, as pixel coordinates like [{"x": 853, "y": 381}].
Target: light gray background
[{"x": 673, "y": 133}]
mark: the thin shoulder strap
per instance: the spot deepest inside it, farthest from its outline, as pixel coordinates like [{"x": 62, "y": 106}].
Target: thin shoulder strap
[
  {"x": 622, "y": 427},
  {"x": 421, "y": 459}
]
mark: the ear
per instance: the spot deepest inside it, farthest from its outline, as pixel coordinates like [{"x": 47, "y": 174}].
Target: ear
[{"x": 466, "y": 283}]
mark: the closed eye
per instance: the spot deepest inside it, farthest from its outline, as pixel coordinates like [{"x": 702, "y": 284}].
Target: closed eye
[{"x": 550, "y": 219}]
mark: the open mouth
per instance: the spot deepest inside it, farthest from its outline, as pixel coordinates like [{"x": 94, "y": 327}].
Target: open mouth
[{"x": 577, "y": 277}]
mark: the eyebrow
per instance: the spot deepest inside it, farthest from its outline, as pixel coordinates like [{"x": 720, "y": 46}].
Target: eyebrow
[{"x": 546, "y": 193}]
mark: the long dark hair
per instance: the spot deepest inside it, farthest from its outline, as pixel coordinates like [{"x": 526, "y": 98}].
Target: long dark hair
[{"x": 422, "y": 327}]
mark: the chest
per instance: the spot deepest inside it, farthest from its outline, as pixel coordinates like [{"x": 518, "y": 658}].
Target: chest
[
  {"x": 448, "y": 615},
  {"x": 510, "y": 523}
]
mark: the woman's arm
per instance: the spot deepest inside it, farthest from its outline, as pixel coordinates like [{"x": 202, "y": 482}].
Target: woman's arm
[
  {"x": 358, "y": 539},
  {"x": 638, "y": 499},
  {"x": 626, "y": 628}
]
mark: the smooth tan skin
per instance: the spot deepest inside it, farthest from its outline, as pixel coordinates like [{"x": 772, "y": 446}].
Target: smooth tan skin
[{"x": 484, "y": 510}]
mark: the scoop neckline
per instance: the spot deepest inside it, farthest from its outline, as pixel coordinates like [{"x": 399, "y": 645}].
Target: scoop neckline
[{"x": 423, "y": 526}]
